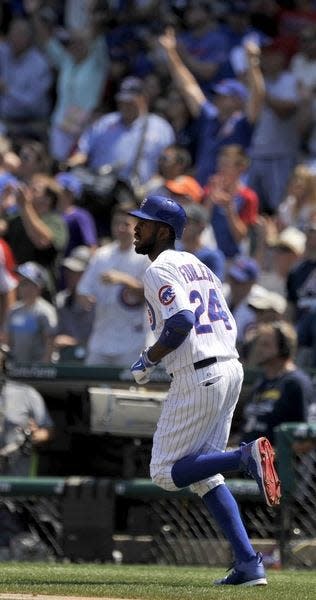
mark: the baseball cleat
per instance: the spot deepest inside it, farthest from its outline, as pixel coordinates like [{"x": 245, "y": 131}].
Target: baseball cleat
[
  {"x": 257, "y": 459},
  {"x": 246, "y": 573}
]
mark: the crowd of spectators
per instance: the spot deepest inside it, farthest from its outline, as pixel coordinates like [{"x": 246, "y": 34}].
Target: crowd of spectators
[{"x": 102, "y": 102}]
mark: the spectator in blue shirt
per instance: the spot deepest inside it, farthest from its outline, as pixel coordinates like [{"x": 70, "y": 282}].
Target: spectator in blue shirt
[
  {"x": 230, "y": 119},
  {"x": 130, "y": 140}
]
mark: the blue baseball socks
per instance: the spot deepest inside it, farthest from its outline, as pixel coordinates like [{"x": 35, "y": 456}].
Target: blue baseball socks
[
  {"x": 197, "y": 467},
  {"x": 222, "y": 505}
]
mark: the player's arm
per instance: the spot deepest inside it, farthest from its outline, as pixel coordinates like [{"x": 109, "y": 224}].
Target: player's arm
[{"x": 175, "y": 331}]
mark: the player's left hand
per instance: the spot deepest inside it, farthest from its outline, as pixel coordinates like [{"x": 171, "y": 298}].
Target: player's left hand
[{"x": 142, "y": 368}]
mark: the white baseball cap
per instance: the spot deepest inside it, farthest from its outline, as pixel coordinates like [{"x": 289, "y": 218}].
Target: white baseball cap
[
  {"x": 262, "y": 299},
  {"x": 78, "y": 259},
  {"x": 33, "y": 272},
  {"x": 292, "y": 238}
]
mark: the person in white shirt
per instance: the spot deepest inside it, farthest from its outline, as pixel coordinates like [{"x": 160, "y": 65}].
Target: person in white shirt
[
  {"x": 112, "y": 284},
  {"x": 276, "y": 138}
]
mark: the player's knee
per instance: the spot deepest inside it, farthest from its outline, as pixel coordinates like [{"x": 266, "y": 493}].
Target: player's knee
[
  {"x": 203, "y": 487},
  {"x": 162, "y": 478}
]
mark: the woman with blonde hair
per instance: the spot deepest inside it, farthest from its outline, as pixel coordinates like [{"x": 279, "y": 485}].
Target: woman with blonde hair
[{"x": 300, "y": 202}]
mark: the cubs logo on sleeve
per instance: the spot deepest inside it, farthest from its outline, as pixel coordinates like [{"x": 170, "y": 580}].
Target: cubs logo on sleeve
[
  {"x": 166, "y": 294},
  {"x": 151, "y": 316},
  {"x": 129, "y": 298}
]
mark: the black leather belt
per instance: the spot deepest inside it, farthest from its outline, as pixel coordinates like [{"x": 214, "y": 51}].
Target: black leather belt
[{"x": 205, "y": 362}]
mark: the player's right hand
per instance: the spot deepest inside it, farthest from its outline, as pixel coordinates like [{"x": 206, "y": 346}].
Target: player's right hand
[{"x": 142, "y": 369}]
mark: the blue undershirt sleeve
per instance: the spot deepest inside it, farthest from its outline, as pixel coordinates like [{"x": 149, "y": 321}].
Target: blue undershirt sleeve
[{"x": 176, "y": 329}]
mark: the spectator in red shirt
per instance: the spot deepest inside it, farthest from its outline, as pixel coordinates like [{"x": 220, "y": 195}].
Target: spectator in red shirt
[
  {"x": 233, "y": 206},
  {"x": 8, "y": 258},
  {"x": 8, "y": 283}
]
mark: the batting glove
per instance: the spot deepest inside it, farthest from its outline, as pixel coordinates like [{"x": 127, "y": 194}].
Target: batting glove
[{"x": 143, "y": 368}]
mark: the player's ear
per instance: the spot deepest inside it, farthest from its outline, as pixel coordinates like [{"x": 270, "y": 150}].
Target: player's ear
[{"x": 164, "y": 232}]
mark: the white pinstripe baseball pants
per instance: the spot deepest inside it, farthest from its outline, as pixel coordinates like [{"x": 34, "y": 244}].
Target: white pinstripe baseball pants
[{"x": 195, "y": 419}]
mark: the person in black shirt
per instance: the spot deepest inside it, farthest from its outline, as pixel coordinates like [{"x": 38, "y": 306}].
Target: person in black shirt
[
  {"x": 283, "y": 392},
  {"x": 301, "y": 296}
]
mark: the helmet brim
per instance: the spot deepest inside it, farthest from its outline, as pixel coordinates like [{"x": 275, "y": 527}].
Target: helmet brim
[{"x": 143, "y": 215}]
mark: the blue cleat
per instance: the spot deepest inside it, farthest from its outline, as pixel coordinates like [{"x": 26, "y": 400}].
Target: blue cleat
[
  {"x": 257, "y": 459},
  {"x": 246, "y": 573}
]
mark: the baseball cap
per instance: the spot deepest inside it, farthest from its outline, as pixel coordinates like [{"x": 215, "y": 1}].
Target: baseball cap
[
  {"x": 78, "y": 259},
  {"x": 33, "y": 272},
  {"x": 129, "y": 88},
  {"x": 231, "y": 87},
  {"x": 244, "y": 269},
  {"x": 69, "y": 181},
  {"x": 262, "y": 299},
  {"x": 292, "y": 239},
  {"x": 185, "y": 185},
  {"x": 162, "y": 210}
]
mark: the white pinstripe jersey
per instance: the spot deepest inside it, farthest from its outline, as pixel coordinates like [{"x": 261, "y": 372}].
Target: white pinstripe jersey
[{"x": 179, "y": 281}]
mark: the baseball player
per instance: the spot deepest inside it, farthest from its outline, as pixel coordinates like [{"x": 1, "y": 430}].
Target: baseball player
[{"x": 195, "y": 340}]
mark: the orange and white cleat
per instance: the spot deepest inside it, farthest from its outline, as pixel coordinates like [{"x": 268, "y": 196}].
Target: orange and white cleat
[{"x": 257, "y": 459}]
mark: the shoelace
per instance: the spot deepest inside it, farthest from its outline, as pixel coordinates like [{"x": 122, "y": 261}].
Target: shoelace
[{"x": 232, "y": 568}]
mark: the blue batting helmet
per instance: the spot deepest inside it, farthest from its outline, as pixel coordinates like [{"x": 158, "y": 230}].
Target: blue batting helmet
[{"x": 163, "y": 210}]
